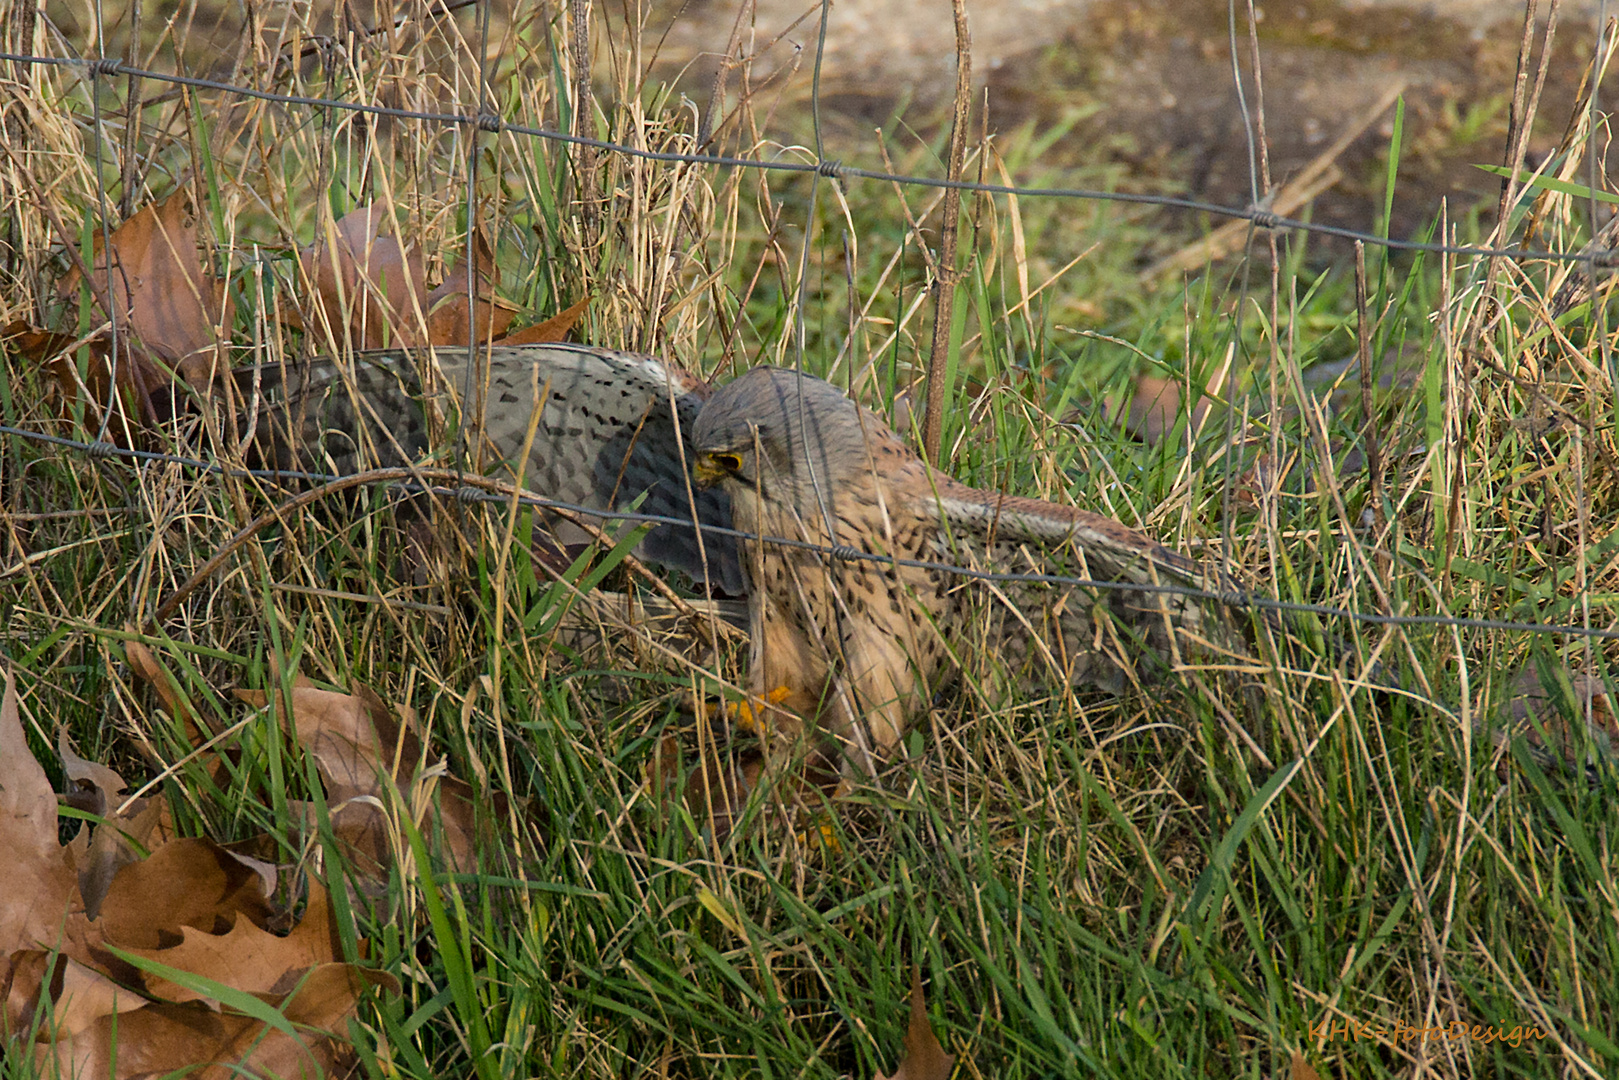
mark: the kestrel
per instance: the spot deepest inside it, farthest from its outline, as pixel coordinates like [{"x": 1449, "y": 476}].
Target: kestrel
[
  {"x": 864, "y": 641},
  {"x": 851, "y": 639}
]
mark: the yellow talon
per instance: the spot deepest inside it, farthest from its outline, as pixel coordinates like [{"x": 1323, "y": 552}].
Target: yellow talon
[
  {"x": 746, "y": 714},
  {"x": 824, "y": 834}
]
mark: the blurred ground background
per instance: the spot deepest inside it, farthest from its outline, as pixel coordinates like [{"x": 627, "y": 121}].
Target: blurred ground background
[
  {"x": 1153, "y": 82},
  {"x": 1146, "y": 85}
]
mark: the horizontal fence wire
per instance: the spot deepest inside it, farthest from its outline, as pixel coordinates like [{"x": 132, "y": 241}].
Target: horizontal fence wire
[
  {"x": 1236, "y": 598},
  {"x": 493, "y": 123}
]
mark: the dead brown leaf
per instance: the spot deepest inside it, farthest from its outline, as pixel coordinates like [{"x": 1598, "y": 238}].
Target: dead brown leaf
[
  {"x": 248, "y": 958},
  {"x": 160, "y": 289},
  {"x": 1552, "y": 736},
  {"x": 151, "y": 670},
  {"x": 372, "y": 279},
  {"x": 925, "y": 1059},
  {"x": 186, "y": 882},
  {"x": 162, "y": 1038},
  {"x": 79, "y": 1029},
  {"x": 96, "y": 787},
  {"x": 79, "y": 995},
  {"x": 320, "y": 1004},
  {"x": 363, "y": 747},
  {"x": 23, "y": 973},
  {"x": 341, "y": 732},
  {"x": 34, "y": 343},
  {"x": 115, "y": 843},
  {"x": 716, "y": 790},
  {"x": 1301, "y": 1069},
  {"x": 1262, "y": 480},
  {"x": 376, "y": 287},
  {"x": 152, "y": 1040},
  {"x": 138, "y": 380},
  {"x": 191, "y": 906},
  {"x": 37, "y": 881},
  {"x": 556, "y": 328},
  {"x": 460, "y": 310},
  {"x": 47, "y": 349}
]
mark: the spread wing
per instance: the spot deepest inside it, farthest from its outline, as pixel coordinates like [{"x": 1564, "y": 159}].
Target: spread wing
[{"x": 612, "y": 429}]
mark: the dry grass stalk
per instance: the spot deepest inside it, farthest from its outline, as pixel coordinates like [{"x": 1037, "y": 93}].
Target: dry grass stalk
[{"x": 944, "y": 285}]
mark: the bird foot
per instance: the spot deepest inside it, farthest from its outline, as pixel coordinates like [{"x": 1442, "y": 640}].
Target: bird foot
[
  {"x": 746, "y": 714},
  {"x": 821, "y": 835}
]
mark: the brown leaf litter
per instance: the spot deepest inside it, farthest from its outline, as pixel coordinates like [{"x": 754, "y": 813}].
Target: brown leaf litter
[
  {"x": 117, "y": 965},
  {"x": 924, "y": 1058},
  {"x": 370, "y": 291}
]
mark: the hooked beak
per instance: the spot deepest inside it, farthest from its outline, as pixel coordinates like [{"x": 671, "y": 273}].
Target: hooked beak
[
  {"x": 710, "y": 469},
  {"x": 706, "y": 472}
]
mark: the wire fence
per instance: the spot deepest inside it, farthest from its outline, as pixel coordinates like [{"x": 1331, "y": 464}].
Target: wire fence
[
  {"x": 489, "y": 122},
  {"x": 1594, "y": 256},
  {"x": 466, "y": 492}
]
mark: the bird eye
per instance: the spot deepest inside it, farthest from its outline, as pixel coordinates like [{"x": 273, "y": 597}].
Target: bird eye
[{"x": 728, "y": 462}]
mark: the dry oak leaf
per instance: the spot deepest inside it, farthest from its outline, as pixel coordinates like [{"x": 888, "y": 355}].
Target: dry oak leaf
[
  {"x": 1300, "y": 1069},
  {"x": 150, "y": 669},
  {"x": 720, "y": 782},
  {"x": 38, "y": 886},
  {"x": 341, "y": 731},
  {"x": 304, "y": 1042},
  {"x": 115, "y": 843},
  {"x": 136, "y": 377},
  {"x": 717, "y": 789},
  {"x": 248, "y": 958},
  {"x": 49, "y": 350},
  {"x": 85, "y": 1023},
  {"x": 460, "y": 310},
  {"x": 363, "y": 747},
  {"x": 216, "y": 760},
  {"x": 30, "y": 341},
  {"x": 556, "y": 328},
  {"x": 372, "y": 288},
  {"x": 925, "y": 1059},
  {"x": 1538, "y": 715},
  {"x": 186, "y": 882},
  {"x": 160, "y": 289},
  {"x": 79, "y": 995},
  {"x": 123, "y": 836},
  {"x": 96, "y": 788}
]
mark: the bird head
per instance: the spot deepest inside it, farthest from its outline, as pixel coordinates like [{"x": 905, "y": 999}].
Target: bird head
[{"x": 780, "y": 434}]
